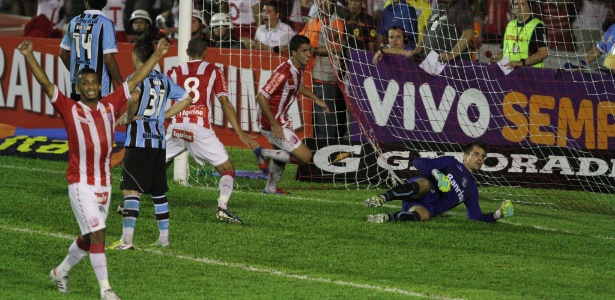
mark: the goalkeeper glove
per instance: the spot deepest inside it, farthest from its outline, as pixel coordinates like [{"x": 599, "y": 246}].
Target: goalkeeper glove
[
  {"x": 444, "y": 184},
  {"x": 506, "y": 210}
]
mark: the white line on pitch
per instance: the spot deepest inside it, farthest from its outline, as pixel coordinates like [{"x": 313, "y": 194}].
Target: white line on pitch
[
  {"x": 329, "y": 201},
  {"x": 247, "y": 267}
]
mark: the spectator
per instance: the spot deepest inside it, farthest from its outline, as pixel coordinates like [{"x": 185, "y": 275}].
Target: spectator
[
  {"x": 143, "y": 167},
  {"x": 272, "y": 34},
  {"x": 449, "y": 32},
  {"x": 525, "y": 40},
  {"x": 40, "y": 27},
  {"x": 327, "y": 41},
  {"x": 360, "y": 28},
  {"x": 399, "y": 13},
  {"x": 397, "y": 44},
  {"x": 605, "y": 46},
  {"x": 300, "y": 13},
  {"x": 196, "y": 28},
  {"x": 115, "y": 12},
  {"x": 54, "y": 11},
  {"x": 221, "y": 32},
  {"x": 423, "y": 12},
  {"x": 94, "y": 31},
  {"x": 245, "y": 15},
  {"x": 153, "y": 7},
  {"x": 141, "y": 24}
]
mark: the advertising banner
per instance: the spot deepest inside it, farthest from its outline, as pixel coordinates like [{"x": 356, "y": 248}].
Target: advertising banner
[
  {"x": 26, "y": 115},
  {"x": 547, "y": 128}
]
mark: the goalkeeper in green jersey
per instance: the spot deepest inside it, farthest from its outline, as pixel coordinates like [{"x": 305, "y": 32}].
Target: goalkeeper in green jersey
[{"x": 444, "y": 183}]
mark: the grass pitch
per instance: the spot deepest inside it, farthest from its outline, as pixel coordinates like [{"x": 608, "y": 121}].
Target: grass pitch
[{"x": 312, "y": 244}]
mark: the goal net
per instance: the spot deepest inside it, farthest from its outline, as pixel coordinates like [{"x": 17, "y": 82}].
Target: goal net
[{"x": 551, "y": 128}]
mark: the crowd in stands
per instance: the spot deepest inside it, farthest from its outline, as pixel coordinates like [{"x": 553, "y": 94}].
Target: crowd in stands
[
  {"x": 525, "y": 30},
  {"x": 574, "y": 25}
]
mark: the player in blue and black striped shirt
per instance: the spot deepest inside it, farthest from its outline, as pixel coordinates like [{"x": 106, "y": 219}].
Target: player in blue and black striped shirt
[
  {"x": 143, "y": 167},
  {"x": 90, "y": 42},
  {"x": 444, "y": 183}
]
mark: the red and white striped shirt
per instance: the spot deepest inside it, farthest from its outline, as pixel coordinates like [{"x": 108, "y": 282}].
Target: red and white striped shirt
[
  {"x": 202, "y": 81},
  {"x": 281, "y": 90},
  {"x": 90, "y": 135}
]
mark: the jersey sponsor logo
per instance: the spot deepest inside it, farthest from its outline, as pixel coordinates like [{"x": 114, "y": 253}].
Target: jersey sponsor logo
[
  {"x": 456, "y": 187},
  {"x": 83, "y": 27},
  {"x": 193, "y": 111},
  {"x": 182, "y": 135},
  {"x": 94, "y": 222},
  {"x": 152, "y": 136},
  {"x": 102, "y": 198}
]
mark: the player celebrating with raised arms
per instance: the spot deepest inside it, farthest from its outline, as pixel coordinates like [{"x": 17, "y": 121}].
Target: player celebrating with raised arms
[
  {"x": 90, "y": 128},
  {"x": 191, "y": 129},
  {"x": 274, "y": 100},
  {"x": 430, "y": 195}
]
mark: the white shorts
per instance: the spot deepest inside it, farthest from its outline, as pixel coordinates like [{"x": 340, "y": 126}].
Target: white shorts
[
  {"x": 90, "y": 205},
  {"x": 290, "y": 142},
  {"x": 202, "y": 143}
]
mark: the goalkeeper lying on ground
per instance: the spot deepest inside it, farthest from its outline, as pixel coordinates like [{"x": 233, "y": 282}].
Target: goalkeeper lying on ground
[{"x": 444, "y": 183}]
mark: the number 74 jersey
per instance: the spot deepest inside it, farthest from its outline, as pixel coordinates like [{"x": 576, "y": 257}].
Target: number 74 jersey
[
  {"x": 148, "y": 131},
  {"x": 89, "y": 37}
]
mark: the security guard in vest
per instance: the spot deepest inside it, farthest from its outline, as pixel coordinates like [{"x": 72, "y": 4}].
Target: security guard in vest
[{"x": 525, "y": 40}]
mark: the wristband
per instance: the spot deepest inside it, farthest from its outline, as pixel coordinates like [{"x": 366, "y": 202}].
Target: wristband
[
  {"x": 584, "y": 63},
  {"x": 382, "y": 50},
  {"x": 523, "y": 61},
  {"x": 276, "y": 49},
  {"x": 315, "y": 53}
]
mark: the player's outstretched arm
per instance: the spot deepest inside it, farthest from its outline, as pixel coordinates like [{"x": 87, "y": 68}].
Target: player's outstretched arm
[
  {"x": 25, "y": 48},
  {"x": 144, "y": 70},
  {"x": 306, "y": 92},
  {"x": 231, "y": 115},
  {"x": 177, "y": 108}
]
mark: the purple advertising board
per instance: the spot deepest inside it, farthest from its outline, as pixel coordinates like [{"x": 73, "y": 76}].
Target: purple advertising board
[{"x": 547, "y": 128}]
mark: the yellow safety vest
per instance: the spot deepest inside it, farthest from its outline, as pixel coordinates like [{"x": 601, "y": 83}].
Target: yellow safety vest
[{"x": 517, "y": 41}]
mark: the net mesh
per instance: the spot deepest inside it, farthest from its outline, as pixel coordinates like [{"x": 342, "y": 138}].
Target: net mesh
[{"x": 550, "y": 128}]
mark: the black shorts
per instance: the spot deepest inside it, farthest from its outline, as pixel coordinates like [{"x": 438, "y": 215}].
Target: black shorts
[{"x": 144, "y": 170}]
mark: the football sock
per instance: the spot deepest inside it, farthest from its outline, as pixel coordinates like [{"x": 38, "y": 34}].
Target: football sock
[
  {"x": 278, "y": 155},
  {"x": 129, "y": 217},
  {"x": 276, "y": 169},
  {"x": 99, "y": 264},
  {"x": 401, "y": 192},
  {"x": 404, "y": 216},
  {"x": 226, "y": 188},
  {"x": 161, "y": 207},
  {"x": 76, "y": 252}
]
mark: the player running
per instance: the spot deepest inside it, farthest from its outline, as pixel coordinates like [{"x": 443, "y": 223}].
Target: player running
[
  {"x": 274, "y": 100},
  {"x": 190, "y": 130}
]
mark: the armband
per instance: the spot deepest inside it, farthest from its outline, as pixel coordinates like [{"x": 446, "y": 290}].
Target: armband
[{"x": 523, "y": 61}]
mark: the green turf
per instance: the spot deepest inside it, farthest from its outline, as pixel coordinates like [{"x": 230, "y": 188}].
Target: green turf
[{"x": 312, "y": 244}]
